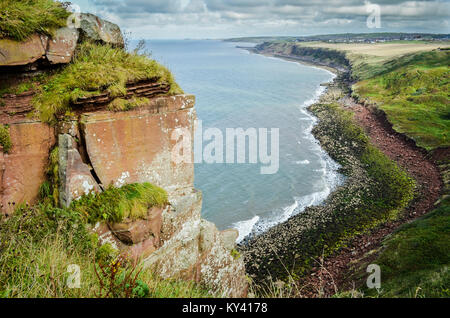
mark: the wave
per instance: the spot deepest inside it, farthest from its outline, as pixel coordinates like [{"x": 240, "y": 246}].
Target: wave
[
  {"x": 245, "y": 228},
  {"x": 330, "y": 180}
]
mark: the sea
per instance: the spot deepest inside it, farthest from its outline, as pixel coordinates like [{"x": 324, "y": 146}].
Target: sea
[{"x": 238, "y": 89}]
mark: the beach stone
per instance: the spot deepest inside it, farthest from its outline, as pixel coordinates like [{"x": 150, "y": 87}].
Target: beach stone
[
  {"x": 61, "y": 47},
  {"x": 99, "y": 30},
  {"x": 14, "y": 53}
]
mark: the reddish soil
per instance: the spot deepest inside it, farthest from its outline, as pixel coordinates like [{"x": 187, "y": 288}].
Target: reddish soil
[{"x": 335, "y": 272}]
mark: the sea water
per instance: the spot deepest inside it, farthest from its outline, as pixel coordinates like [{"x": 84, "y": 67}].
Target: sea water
[{"x": 237, "y": 89}]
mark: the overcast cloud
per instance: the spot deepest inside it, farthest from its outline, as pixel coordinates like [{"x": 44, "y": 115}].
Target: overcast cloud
[{"x": 233, "y": 18}]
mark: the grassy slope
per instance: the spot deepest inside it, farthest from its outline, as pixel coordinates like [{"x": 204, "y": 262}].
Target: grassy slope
[
  {"x": 38, "y": 244},
  {"x": 415, "y": 261},
  {"x": 115, "y": 204},
  {"x": 20, "y": 19},
  {"x": 413, "y": 92}
]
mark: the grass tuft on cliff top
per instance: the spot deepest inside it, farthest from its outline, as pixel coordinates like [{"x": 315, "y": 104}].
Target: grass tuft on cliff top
[
  {"x": 115, "y": 204},
  {"x": 97, "y": 69},
  {"x": 19, "y": 19}
]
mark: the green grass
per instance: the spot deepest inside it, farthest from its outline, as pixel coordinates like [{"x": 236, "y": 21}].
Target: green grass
[
  {"x": 115, "y": 204},
  {"x": 415, "y": 261},
  {"x": 5, "y": 139},
  {"x": 49, "y": 190},
  {"x": 413, "y": 92},
  {"x": 37, "y": 245},
  {"x": 365, "y": 67},
  {"x": 21, "y": 18},
  {"x": 96, "y": 69}
]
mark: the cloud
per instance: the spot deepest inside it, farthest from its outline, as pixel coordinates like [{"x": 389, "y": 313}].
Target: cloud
[{"x": 226, "y": 18}]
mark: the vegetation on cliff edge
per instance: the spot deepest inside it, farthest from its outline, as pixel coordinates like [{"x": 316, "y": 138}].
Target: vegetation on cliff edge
[
  {"x": 39, "y": 246},
  {"x": 21, "y": 18},
  {"x": 97, "y": 69},
  {"x": 116, "y": 204}
]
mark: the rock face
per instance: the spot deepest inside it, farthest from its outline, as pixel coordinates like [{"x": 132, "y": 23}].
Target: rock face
[
  {"x": 13, "y": 53},
  {"x": 134, "y": 232},
  {"x": 74, "y": 175},
  {"x": 131, "y": 147},
  {"x": 98, "y": 148},
  {"x": 96, "y": 29},
  {"x": 194, "y": 249},
  {"x": 136, "y": 146},
  {"x": 61, "y": 46},
  {"x": 23, "y": 169}
]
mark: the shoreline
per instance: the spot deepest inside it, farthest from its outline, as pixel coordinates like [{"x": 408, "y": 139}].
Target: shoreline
[
  {"x": 337, "y": 262},
  {"x": 329, "y": 68},
  {"x": 328, "y": 161}
]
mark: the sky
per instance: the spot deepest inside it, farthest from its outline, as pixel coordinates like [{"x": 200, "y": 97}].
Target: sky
[{"x": 218, "y": 19}]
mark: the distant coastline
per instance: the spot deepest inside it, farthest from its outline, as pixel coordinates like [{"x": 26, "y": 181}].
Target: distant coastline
[{"x": 292, "y": 58}]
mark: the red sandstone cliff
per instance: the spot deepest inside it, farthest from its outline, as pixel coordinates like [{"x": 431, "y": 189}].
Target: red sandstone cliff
[{"x": 98, "y": 148}]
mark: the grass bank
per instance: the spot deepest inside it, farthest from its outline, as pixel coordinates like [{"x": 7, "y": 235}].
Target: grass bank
[
  {"x": 42, "y": 246},
  {"x": 413, "y": 92},
  {"x": 415, "y": 260},
  {"x": 5, "y": 138},
  {"x": 97, "y": 69},
  {"x": 20, "y": 19}
]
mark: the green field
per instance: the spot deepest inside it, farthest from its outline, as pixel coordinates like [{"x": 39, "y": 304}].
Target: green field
[{"x": 413, "y": 91}]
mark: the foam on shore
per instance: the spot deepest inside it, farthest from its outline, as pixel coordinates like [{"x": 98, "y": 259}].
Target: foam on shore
[{"x": 330, "y": 179}]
